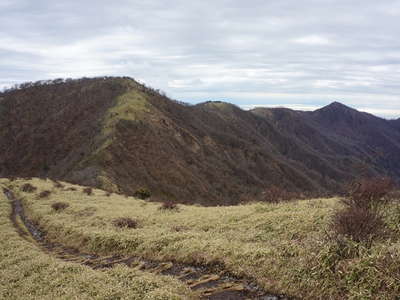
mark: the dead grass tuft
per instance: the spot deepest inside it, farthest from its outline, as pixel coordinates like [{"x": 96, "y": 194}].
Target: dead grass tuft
[
  {"x": 57, "y": 206},
  {"x": 28, "y": 188},
  {"x": 125, "y": 223},
  {"x": 44, "y": 194}
]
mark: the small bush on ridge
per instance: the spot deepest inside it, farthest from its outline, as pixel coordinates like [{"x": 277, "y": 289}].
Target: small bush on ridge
[
  {"x": 275, "y": 194},
  {"x": 142, "y": 193},
  {"x": 28, "y": 188},
  {"x": 125, "y": 223},
  {"x": 359, "y": 224},
  {"x": 44, "y": 194},
  {"x": 369, "y": 193},
  {"x": 57, "y": 206},
  {"x": 168, "y": 205},
  {"x": 361, "y": 219}
]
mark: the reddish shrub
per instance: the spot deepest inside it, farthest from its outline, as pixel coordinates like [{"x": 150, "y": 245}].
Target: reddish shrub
[
  {"x": 275, "y": 194},
  {"x": 57, "y": 206},
  {"x": 369, "y": 193},
  {"x": 125, "y": 223},
  {"x": 359, "y": 224},
  {"x": 168, "y": 205},
  {"x": 361, "y": 219}
]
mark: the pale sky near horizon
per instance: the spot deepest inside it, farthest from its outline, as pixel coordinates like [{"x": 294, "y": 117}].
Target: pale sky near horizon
[{"x": 299, "y": 54}]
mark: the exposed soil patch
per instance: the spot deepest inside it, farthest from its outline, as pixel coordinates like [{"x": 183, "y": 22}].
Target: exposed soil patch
[{"x": 209, "y": 282}]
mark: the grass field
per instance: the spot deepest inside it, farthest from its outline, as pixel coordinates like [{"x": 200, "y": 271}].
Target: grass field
[
  {"x": 286, "y": 248},
  {"x": 28, "y": 273}
]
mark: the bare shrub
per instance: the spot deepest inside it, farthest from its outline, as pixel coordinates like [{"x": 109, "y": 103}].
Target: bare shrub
[
  {"x": 168, "y": 205},
  {"x": 57, "y": 206},
  {"x": 88, "y": 191},
  {"x": 369, "y": 193},
  {"x": 142, "y": 193},
  {"x": 359, "y": 224},
  {"x": 44, "y": 194},
  {"x": 125, "y": 223},
  {"x": 71, "y": 189},
  {"x": 28, "y": 188},
  {"x": 275, "y": 194},
  {"x": 361, "y": 219}
]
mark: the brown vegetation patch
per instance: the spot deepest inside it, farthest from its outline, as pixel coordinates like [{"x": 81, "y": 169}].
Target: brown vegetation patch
[
  {"x": 369, "y": 193},
  {"x": 125, "y": 222},
  {"x": 44, "y": 194},
  {"x": 275, "y": 194},
  {"x": 88, "y": 191},
  {"x": 57, "y": 206},
  {"x": 361, "y": 219},
  {"x": 359, "y": 224},
  {"x": 28, "y": 188},
  {"x": 168, "y": 205}
]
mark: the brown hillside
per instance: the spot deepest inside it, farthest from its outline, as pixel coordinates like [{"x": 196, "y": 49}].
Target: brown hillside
[{"x": 117, "y": 134}]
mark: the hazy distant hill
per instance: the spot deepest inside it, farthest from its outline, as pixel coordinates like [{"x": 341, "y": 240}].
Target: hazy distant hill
[{"x": 120, "y": 135}]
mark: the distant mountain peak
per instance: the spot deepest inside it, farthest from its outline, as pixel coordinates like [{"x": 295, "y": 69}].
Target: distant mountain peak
[
  {"x": 337, "y": 105},
  {"x": 336, "y": 108}
]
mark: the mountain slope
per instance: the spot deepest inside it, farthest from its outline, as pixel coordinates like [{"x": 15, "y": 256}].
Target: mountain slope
[{"x": 117, "y": 134}]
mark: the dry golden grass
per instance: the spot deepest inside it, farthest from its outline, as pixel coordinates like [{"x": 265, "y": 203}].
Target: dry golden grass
[
  {"x": 285, "y": 247},
  {"x": 28, "y": 273}
]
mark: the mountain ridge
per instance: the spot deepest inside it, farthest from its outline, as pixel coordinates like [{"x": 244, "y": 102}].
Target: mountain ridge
[{"x": 120, "y": 135}]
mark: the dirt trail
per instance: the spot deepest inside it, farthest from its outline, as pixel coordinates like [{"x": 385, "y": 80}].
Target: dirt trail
[{"x": 208, "y": 282}]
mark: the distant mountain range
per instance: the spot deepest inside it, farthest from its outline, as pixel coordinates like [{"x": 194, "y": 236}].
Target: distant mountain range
[{"x": 119, "y": 135}]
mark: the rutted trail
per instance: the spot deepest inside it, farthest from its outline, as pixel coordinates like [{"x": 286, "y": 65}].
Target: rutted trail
[{"x": 205, "y": 281}]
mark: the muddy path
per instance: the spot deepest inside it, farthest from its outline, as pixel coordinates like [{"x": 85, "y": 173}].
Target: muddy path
[{"x": 208, "y": 282}]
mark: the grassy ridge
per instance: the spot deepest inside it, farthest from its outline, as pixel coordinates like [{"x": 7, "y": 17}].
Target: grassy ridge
[
  {"x": 284, "y": 247},
  {"x": 28, "y": 273}
]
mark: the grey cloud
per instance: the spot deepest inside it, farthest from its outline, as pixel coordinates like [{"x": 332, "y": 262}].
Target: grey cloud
[{"x": 260, "y": 52}]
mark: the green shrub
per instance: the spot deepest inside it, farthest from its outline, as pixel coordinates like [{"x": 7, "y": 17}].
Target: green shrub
[{"x": 142, "y": 193}]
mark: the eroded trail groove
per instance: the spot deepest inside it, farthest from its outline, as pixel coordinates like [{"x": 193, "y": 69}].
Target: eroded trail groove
[{"x": 208, "y": 282}]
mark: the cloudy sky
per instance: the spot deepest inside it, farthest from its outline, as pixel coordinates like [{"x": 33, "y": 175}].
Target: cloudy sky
[{"x": 301, "y": 54}]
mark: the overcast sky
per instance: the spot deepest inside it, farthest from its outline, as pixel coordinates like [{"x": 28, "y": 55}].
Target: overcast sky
[{"x": 302, "y": 54}]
